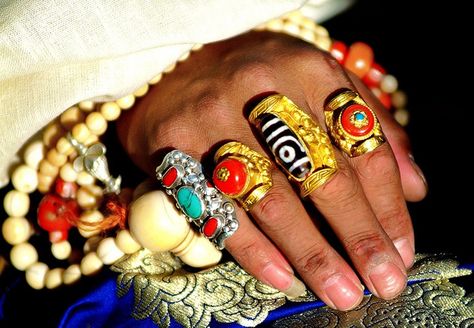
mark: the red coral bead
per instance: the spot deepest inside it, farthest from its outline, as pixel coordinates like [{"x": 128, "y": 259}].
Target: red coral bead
[
  {"x": 210, "y": 227},
  {"x": 357, "y": 120},
  {"x": 374, "y": 76},
  {"x": 55, "y": 213},
  {"x": 339, "y": 51},
  {"x": 170, "y": 177},
  {"x": 359, "y": 59},
  {"x": 230, "y": 176},
  {"x": 66, "y": 189}
]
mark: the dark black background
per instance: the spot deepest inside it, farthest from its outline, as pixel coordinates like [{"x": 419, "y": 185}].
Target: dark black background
[{"x": 425, "y": 48}]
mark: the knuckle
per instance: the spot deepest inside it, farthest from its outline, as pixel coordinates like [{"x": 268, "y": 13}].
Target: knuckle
[
  {"x": 379, "y": 163},
  {"x": 395, "y": 221},
  {"x": 313, "y": 260},
  {"x": 365, "y": 243},
  {"x": 258, "y": 73},
  {"x": 270, "y": 214},
  {"x": 339, "y": 191},
  {"x": 249, "y": 252}
]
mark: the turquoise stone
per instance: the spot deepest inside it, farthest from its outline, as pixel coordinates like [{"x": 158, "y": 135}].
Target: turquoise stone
[
  {"x": 189, "y": 202},
  {"x": 359, "y": 116}
]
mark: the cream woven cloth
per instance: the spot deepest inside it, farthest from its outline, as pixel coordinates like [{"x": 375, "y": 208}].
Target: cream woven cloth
[{"x": 56, "y": 53}]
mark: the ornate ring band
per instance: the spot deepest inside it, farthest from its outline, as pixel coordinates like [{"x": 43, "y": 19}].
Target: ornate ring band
[
  {"x": 242, "y": 173},
  {"x": 214, "y": 214},
  {"x": 299, "y": 145},
  {"x": 353, "y": 126}
]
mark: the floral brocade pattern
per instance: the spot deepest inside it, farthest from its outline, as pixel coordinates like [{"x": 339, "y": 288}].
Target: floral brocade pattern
[{"x": 164, "y": 289}]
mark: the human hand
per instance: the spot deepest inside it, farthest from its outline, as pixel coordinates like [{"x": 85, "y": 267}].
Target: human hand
[{"x": 203, "y": 104}]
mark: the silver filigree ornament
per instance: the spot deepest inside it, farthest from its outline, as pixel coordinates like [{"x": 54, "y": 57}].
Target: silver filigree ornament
[{"x": 92, "y": 159}]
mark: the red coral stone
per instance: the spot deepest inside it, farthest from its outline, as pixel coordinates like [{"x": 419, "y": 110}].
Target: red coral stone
[
  {"x": 339, "y": 51},
  {"x": 55, "y": 213},
  {"x": 210, "y": 227},
  {"x": 374, "y": 76},
  {"x": 170, "y": 177},
  {"x": 352, "y": 124},
  {"x": 230, "y": 176},
  {"x": 65, "y": 189}
]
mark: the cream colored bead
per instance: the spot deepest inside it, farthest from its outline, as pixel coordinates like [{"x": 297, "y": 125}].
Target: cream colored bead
[
  {"x": 88, "y": 197},
  {"x": 126, "y": 243},
  {"x": 56, "y": 158},
  {"x": 321, "y": 31},
  {"x": 308, "y": 35},
  {"x": 85, "y": 179},
  {"x": 155, "y": 223},
  {"x": 91, "y": 139},
  {"x": 184, "y": 56},
  {"x": 96, "y": 123},
  {"x": 110, "y": 110},
  {"x": 35, "y": 275},
  {"x": 23, "y": 255},
  {"x": 140, "y": 92},
  {"x": 199, "y": 253},
  {"x": 72, "y": 274},
  {"x": 52, "y": 133},
  {"x": 71, "y": 117},
  {"x": 61, "y": 250},
  {"x": 45, "y": 183},
  {"x": 67, "y": 173},
  {"x": 197, "y": 47},
  {"x": 16, "y": 203},
  {"x": 16, "y": 230},
  {"x": 307, "y": 23},
  {"x": 169, "y": 68},
  {"x": 275, "y": 25},
  {"x": 46, "y": 168},
  {"x": 34, "y": 153},
  {"x": 399, "y": 99},
  {"x": 126, "y": 102},
  {"x": 80, "y": 132},
  {"x": 323, "y": 42},
  {"x": 25, "y": 179},
  {"x": 86, "y": 106},
  {"x": 294, "y": 16},
  {"x": 291, "y": 28},
  {"x": 108, "y": 251},
  {"x": 389, "y": 84},
  {"x": 402, "y": 116},
  {"x": 156, "y": 79},
  {"x": 93, "y": 216},
  {"x": 54, "y": 278},
  {"x": 64, "y": 146},
  {"x": 91, "y": 264},
  {"x": 91, "y": 244}
]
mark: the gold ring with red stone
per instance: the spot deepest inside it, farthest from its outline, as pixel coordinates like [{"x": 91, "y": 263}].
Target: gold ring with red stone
[
  {"x": 353, "y": 126},
  {"x": 242, "y": 173}
]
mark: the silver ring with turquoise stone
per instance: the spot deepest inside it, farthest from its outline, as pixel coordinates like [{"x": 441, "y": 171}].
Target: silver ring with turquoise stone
[{"x": 205, "y": 206}]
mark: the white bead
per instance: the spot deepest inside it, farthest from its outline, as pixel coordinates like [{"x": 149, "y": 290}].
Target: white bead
[
  {"x": 88, "y": 197},
  {"x": 52, "y": 133},
  {"x": 91, "y": 264},
  {"x": 16, "y": 230},
  {"x": 23, "y": 255},
  {"x": 16, "y": 203},
  {"x": 96, "y": 123},
  {"x": 156, "y": 79},
  {"x": 126, "y": 102},
  {"x": 85, "y": 179},
  {"x": 72, "y": 274},
  {"x": 63, "y": 146},
  {"x": 291, "y": 28},
  {"x": 56, "y": 158},
  {"x": 108, "y": 251},
  {"x": 67, "y": 173},
  {"x": 184, "y": 56},
  {"x": 70, "y": 117},
  {"x": 200, "y": 252},
  {"x": 91, "y": 216},
  {"x": 308, "y": 35},
  {"x": 140, "y": 92},
  {"x": 54, "y": 278},
  {"x": 275, "y": 25},
  {"x": 61, "y": 250},
  {"x": 86, "y": 106},
  {"x": 46, "y": 168},
  {"x": 45, "y": 182},
  {"x": 126, "y": 243},
  {"x": 402, "y": 116},
  {"x": 169, "y": 68},
  {"x": 110, "y": 110},
  {"x": 323, "y": 42},
  {"x": 389, "y": 84},
  {"x": 34, "y": 153},
  {"x": 399, "y": 99},
  {"x": 25, "y": 179},
  {"x": 80, "y": 132},
  {"x": 197, "y": 47},
  {"x": 91, "y": 244},
  {"x": 35, "y": 275}
]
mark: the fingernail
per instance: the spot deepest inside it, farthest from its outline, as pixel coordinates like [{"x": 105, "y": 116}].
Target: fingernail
[
  {"x": 388, "y": 280},
  {"x": 343, "y": 292},
  {"x": 418, "y": 170},
  {"x": 283, "y": 280},
  {"x": 406, "y": 251}
]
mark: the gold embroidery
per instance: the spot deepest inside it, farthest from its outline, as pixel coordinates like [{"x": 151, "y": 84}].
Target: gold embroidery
[{"x": 164, "y": 289}]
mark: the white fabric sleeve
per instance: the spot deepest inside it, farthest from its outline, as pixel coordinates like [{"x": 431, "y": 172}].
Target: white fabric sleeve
[{"x": 56, "y": 53}]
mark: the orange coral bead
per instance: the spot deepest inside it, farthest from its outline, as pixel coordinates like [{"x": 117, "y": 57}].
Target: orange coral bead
[{"x": 359, "y": 59}]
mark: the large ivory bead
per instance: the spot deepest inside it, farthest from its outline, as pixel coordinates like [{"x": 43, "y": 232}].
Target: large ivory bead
[
  {"x": 16, "y": 203},
  {"x": 54, "y": 278},
  {"x": 155, "y": 222},
  {"x": 25, "y": 179},
  {"x": 16, "y": 230},
  {"x": 35, "y": 275},
  {"x": 126, "y": 243},
  {"x": 23, "y": 255},
  {"x": 200, "y": 253},
  {"x": 72, "y": 274},
  {"x": 34, "y": 153},
  {"x": 91, "y": 264},
  {"x": 61, "y": 250},
  {"x": 108, "y": 251}
]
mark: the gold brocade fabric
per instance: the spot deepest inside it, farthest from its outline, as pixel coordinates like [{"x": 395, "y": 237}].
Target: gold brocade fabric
[{"x": 164, "y": 289}]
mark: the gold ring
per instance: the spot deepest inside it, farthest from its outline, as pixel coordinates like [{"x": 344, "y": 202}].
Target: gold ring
[
  {"x": 299, "y": 145},
  {"x": 353, "y": 126},
  {"x": 242, "y": 173}
]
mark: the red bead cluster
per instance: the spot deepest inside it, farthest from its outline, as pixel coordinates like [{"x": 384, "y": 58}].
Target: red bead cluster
[{"x": 359, "y": 59}]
